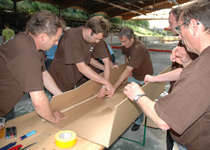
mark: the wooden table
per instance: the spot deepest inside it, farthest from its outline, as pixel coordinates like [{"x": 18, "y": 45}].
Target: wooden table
[{"x": 45, "y": 135}]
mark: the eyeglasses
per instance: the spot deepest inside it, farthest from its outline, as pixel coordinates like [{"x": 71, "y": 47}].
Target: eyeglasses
[{"x": 178, "y": 28}]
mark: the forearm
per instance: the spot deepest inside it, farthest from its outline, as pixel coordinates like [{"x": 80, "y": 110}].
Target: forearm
[
  {"x": 50, "y": 84},
  {"x": 122, "y": 78},
  {"x": 107, "y": 68},
  {"x": 89, "y": 73},
  {"x": 147, "y": 107},
  {"x": 169, "y": 76},
  {"x": 42, "y": 105},
  {"x": 96, "y": 64}
]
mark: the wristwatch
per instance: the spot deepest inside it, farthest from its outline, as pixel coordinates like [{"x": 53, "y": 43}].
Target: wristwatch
[{"x": 138, "y": 96}]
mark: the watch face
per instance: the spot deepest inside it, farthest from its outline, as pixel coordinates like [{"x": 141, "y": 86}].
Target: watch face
[{"x": 136, "y": 98}]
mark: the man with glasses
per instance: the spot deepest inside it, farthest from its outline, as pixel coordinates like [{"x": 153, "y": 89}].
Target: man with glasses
[
  {"x": 176, "y": 68},
  {"x": 186, "y": 110},
  {"x": 75, "y": 53}
]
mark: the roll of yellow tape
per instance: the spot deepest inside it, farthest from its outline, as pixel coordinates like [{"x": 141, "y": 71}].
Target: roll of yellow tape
[{"x": 65, "y": 139}]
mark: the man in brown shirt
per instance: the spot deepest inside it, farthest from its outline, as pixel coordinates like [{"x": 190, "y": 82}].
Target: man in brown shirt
[
  {"x": 176, "y": 68},
  {"x": 76, "y": 50},
  {"x": 22, "y": 68},
  {"x": 186, "y": 110},
  {"x": 139, "y": 63}
]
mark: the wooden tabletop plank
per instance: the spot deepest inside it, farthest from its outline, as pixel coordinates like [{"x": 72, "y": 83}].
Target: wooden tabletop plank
[{"x": 45, "y": 136}]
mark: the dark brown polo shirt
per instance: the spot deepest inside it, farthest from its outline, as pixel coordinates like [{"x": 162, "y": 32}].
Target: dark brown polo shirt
[
  {"x": 187, "y": 108},
  {"x": 138, "y": 58},
  {"x": 73, "y": 49},
  {"x": 21, "y": 67}
]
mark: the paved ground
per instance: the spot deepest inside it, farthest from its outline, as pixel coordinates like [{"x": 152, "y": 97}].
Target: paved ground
[{"x": 155, "y": 138}]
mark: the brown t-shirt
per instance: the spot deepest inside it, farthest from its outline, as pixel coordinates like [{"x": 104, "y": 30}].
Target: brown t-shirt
[
  {"x": 138, "y": 58},
  {"x": 21, "y": 66},
  {"x": 187, "y": 108},
  {"x": 72, "y": 49}
]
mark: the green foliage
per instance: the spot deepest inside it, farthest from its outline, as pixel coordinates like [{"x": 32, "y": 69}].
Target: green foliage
[
  {"x": 6, "y": 4},
  {"x": 116, "y": 20},
  {"x": 141, "y": 23},
  {"x": 30, "y": 6},
  {"x": 75, "y": 13},
  {"x": 99, "y": 14},
  {"x": 142, "y": 31}
]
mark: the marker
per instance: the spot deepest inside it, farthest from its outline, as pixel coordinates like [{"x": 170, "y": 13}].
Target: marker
[
  {"x": 8, "y": 146},
  {"x": 28, "y": 134}
]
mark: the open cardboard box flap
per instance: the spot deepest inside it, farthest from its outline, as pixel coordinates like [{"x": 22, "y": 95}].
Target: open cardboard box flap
[{"x": 101, "y": 121}]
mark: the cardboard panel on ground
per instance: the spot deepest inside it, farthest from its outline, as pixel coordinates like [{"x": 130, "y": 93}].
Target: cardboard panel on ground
[{"x": 101, "y": 121}]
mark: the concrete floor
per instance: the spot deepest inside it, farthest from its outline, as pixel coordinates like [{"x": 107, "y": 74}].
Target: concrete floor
[{"x": 155, "y": 138}]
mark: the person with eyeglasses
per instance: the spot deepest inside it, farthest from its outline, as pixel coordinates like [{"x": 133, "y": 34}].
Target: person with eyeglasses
[
  {"x": 176, "y": 68},
  {"x": 186, "y": 110}
]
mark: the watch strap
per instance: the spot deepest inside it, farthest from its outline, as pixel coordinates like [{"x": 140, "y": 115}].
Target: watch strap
[{"x": 138, "y": 96}]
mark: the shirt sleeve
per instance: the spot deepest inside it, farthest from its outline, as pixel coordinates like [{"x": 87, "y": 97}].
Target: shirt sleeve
[
  {"x": 188, "y": 100},
  {"x": 27, "y": 70}
]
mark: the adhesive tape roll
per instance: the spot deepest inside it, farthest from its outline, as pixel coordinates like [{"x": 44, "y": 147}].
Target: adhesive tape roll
[{"x": 65, "y": 139}]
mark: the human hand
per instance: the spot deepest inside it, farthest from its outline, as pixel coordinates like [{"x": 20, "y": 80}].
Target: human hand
[
  {"x": 101, "y": 93},
  {"x": 148, "y": 78},
  {"x": 58, "y": 116},
  {"x": 132, "y": 89},
  {"x": 180, "y": 55},
  {"x": 110, "y": 89},
  {"x": 115, "y": 66}
]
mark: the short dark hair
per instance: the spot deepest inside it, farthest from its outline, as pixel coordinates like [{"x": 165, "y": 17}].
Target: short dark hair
[
  {"x": 198, "y": 10},
  {"x": 98, "y": 24},
  {"x": 127, "y": 32},
  {"x": 6, "y": 24},
  {"x": 44, "y": 22},
  {"x": 176, "y": 12}
]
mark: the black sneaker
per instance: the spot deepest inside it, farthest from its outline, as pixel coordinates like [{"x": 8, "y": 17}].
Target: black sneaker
[{"x": 135, "y": 127}]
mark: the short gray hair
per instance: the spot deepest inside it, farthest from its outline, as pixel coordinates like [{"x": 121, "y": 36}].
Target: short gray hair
[
  {"x": 44, "y": 22},
  {"x": 198, "y": 10},
  {"x": 127, "y": 32}
]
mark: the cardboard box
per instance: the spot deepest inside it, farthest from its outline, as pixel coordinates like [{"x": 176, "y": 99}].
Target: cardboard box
[{"x": 100, "y": 121}]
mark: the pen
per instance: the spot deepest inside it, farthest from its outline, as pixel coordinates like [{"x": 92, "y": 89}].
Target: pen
[{"x": 28, "y": 134}]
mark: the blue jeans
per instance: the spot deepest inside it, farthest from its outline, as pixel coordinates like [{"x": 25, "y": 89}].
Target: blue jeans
[
  {"x": 10, "y": 115},
  {"x": 140, "y": 118},
  {"x": 181, "y": 147}
]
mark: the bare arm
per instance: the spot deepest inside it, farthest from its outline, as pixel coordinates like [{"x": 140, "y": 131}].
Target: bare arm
[
  {"x": 123, "y": 76},
  {"x": 146, "y": 104},
  {"x": 107, "y": 71},
  {"x": 42, "y": 107},
  {"x": 88, "y": 72},
  {"x": 166, "y": 77},
  {"x": 96, "y": 64},
  {"x": 50, "y": 84}
]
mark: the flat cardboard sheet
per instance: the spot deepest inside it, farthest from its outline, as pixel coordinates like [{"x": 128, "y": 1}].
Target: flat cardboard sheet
[{"x": 100, "y": 121}]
